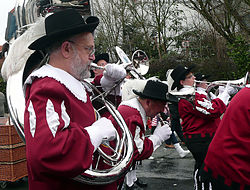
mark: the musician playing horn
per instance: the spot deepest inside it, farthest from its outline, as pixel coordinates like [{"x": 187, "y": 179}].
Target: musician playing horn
[
  {"x": 101, "y": 60},
  {"x": 148, "y": 102},
  {"x": 200, "y": 116},
  {"x": 60, "y": 124},
  {"x": 202, "y": 84}
]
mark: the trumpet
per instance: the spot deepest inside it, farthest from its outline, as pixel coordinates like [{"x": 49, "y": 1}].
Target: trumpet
[
  {"x": 237, "y": 84},
  {"x": 212, "y": 86},
  {"x": 94, "y": 66}
]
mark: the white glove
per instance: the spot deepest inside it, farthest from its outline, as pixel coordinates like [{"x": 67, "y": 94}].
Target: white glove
[
  {"x": 161, "y": 133},
  {"x": 100, "y": 131},
  {"x": 224, "y": 93},
  {"x": 231, "y": 90},
  {"x": 111, "y": 74},
  {"x": 114, "y": 72},
  {"x": 212, "y": 95},
  {"x": 221, "y": 89}
]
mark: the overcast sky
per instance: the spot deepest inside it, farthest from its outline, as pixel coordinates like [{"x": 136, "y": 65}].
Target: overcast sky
[{"x": 5, "y": 7}]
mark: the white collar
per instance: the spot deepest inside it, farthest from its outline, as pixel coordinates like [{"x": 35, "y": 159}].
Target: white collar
[
  {"x": 185, "y": 87},
  {"x": 248, "y": 85},
  {"x": 134, "y": 103},
  {"x": 72, "y": 84},
  {"x": 201, "y": 90}
]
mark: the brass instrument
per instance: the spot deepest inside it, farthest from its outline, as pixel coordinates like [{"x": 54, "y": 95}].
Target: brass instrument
[
  {"x": 138, "y": 67},
  {"x": 28, "y": 11},
  {"x": 236, "y": 84},
  {"x": 212, "y": 86},
  {"x": 20, "y": 67}
]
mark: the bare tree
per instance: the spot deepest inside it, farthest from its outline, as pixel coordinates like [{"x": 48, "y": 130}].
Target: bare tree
[
  {"x": 114, "y": 16},
  {"x": 227, "y": 17},
  {"x": 137, "y": 24},
  {"x": 160, "y": 20}
]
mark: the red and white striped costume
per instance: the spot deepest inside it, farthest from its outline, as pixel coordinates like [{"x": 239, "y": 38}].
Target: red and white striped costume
[
  {"x": 58, "y": 147},
  {"x": 136, "y": 120},
  {"x": 201, "y": 116}
]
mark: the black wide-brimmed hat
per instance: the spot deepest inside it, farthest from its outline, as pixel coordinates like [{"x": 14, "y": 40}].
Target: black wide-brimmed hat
[
  {"x": 103, "y": 56},
  {"x": 200, "y": 77},
  {"x": 154, "y": 90},
  {"x": 179, "y": 73},
  {"x": 62, "y": 24}
]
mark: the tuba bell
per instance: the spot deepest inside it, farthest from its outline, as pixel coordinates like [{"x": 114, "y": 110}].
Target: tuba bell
[
  {"x": 139, "y": 65},
  {"x": 15, "y": 70}
]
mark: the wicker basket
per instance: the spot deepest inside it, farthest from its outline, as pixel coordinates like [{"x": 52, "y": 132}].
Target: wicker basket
[
  {"x": 8, "y": 135},
  {"x": 13, "y": 171},
  {"x": 12, "y": 155}
]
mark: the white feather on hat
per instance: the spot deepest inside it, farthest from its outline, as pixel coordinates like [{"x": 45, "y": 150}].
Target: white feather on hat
[
  {"x": 19, "y": 52},
  {"x": 169, "y": 80},
  {"x": 134, "y": 84},
  {"x": 129, "y": 85}
]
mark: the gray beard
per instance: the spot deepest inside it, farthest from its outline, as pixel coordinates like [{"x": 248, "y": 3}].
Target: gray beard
[{"x": 81, "y": 71}]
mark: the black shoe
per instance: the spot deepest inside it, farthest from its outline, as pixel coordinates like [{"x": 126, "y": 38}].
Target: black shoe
[{"x": 140, "y": 183}]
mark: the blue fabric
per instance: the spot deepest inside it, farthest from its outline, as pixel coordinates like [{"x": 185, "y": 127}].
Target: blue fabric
[
  {"x": 11, "y": 27},
  {"x": 172, "y": 139}
]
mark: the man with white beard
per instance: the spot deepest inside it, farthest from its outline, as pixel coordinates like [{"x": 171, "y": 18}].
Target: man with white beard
[{"x": 61, "y": 130}]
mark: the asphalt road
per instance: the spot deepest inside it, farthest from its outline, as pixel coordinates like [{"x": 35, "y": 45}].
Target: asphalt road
[{"x": 167, "y": 171}]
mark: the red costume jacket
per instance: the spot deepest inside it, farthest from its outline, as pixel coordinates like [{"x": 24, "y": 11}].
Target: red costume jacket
[
  {"x": 136, "y": 120},
  {"x": 200, "y": 117},
  {"x": 58, "y": 147},
  {"x": 228, "y": 155}
]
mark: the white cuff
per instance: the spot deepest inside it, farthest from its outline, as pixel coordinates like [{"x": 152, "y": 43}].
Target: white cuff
[
  {"x": 156, "y": 141},
  {"x": 212, "y": 95}
]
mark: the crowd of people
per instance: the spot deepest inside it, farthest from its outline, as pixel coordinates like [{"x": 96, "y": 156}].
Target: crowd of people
[{"x": 63, "y": 132}]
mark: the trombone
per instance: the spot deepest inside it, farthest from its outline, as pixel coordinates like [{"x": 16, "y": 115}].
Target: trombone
[{"x": 238, "y": 84}]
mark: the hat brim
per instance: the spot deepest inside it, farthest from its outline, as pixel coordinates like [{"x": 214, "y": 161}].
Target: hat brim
[
  {"x": 140, "y": 94},
  {"x": 45, "y": 41}
]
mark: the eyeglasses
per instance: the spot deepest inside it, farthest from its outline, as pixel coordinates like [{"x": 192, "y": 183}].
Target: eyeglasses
[{"x": 90, "y": 50}]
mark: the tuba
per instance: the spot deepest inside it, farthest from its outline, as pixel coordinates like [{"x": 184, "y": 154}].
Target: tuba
[
  {"x": 16, "y": 70},
  {"x": 139, "y": 65}
]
